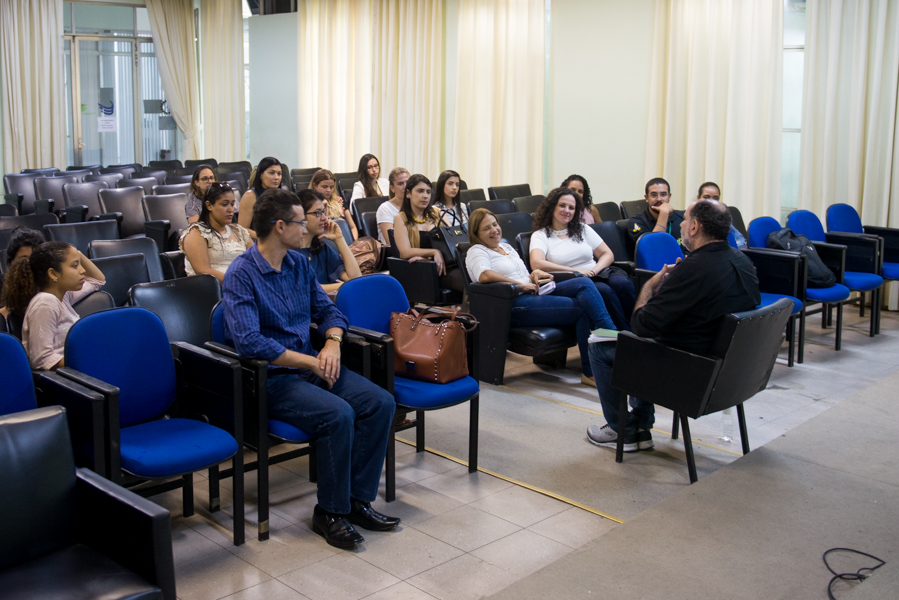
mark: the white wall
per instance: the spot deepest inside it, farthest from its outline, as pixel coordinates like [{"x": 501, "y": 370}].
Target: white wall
[{"x": 600, "y": 65}]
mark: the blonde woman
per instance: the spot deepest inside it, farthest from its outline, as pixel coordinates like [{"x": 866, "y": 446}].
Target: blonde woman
[{"x": 324, "y": 183}]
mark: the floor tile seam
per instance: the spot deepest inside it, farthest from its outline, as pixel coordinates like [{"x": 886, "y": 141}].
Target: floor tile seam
[
  {"x": 341, "y": 553},
  {"x": 402, "y": 581},
  {"x": 361, "y": 556},
  {"x": 231, "y": 593}
]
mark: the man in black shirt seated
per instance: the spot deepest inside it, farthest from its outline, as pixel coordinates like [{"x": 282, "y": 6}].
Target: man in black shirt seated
[
  {"x": 682, "y": 306},
  {"x": 659, "y": 215}
]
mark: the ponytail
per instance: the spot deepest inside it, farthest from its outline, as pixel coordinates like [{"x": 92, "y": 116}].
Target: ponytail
[{"x": 28, "y": 276}]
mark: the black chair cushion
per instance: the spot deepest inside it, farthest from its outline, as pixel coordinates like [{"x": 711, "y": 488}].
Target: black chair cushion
[
  {"x": 75, "y": 573},
  {"x": 533, "y": 341}
]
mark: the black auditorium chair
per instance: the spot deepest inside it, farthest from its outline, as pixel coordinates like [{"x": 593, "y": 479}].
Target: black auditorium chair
[
  {"x": 419, "y": 279},
  {"x": 497, "y": 207},
  {"x": 147, "y": 183},
  {"x": 36, "y": 222},
  {"x": 173, "y": 265},
  {"x": 86, "y": 195},
  {"x": 346, "y": 184},
  {"x": 174, "y": 188},
  {"x": 126, "y": 201},
  {"x": 528, "y": 204},
  {"x": 77, "y": 174},
  {"x": 346, "y": 195},
  {"x": 508, "y": 192},
  {"x": 109, "y": 178},
  {"x": 348, "y": 175},
  {"x": 145, "y": 246},
  {"x": 95, "y": 169},
  {"x": 491, "y": 305},
  {"x": 364, "y": 205},
  {"x": 125, "y": 170},
  {"x": 8, "y": 210},
  {"x": 616, "y": 239},
  {"x": 50, "y": 191},
  {"x": 173, "y": 179},
  {"x": 159, "y": 175},
  {"x": 81, "y": 235},
  {"x": 243, "y": 165},
  {"x": 370, "y": 224},
  {"x": 608, "y": 211},
  {"x": 23, "y": 185},
  {"x": 42, "y": 171},
  {"x": 466, "y": 196},
  {"x": 236, "y": 174},
  {"x": 738, "y": 367},
  {"x": 121, "y": 273},
  {"x": 165, "y": 165},
  {"x": 166, "y": 212},
  {"x": 94, "y": 302},
  {"x": 239, "y": 188},
  {"x": 69, "y": 532},
  {"x": 184, "y": 171},
  {"x": 632, "y": 208},
  {"x": 304, "y": 172},
  {"x": 193, "y": 164},
  {"x": 184, "y": 305},
  {"x": 512, "y": 224}
]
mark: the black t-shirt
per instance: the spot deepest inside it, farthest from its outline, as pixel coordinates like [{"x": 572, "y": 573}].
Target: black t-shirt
[{"x": 646, "y": 221}]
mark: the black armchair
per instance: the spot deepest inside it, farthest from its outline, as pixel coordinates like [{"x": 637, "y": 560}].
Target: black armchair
[
  {"x": 419, "y": 279},
  {"x": 81, "y": 235},
  {"x": 508, "y": 192},
  {"x": 632, "y": 208}
]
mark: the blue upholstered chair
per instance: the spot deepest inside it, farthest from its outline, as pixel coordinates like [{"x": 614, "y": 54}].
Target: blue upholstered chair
[
  {"x": 367, "y": 303},
  {"x": 162, "y": 413},
  {"x": 654, "y": 251},
  {"x": 15, "y": 377},
  {"x": 863, "y": 260}
]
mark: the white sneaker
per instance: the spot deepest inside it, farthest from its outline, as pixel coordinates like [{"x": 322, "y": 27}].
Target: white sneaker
[{"x": 606, "y": 436}]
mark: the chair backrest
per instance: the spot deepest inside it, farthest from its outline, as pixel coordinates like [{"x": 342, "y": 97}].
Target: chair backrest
[
  {"x": 655, "y": 250},
  {"x": 121, "y": 273},
  {"x": 35, "y": 222},
  {"x": 15, "y": 377},
  {"x": 81, "y": 235},
  {"x": 466, "y": 196},
  {"x": 245, "y": 165},
  {"x": 94, "y": 302},
  {"x": 239, "y": 189},
  {"x": 497, "y": 207},
  {"x": 370, "y": 224},
  {"x": 166, "y": 207},
  {"x": 159, "y": 176},
  {"x": 346, "y": 184},
  {"x": 512, "y": 224},
  {"x": 632, "y": 208},
  {"x": 842, "y": 217},
  {"x": 42, "y": 171},
  {"x": 193, "y": 164},
  {"x": 184, "y": 305},
  {"x": 507, "y": 192},
  {"x": 183, "y": 172},
  {"x": 147, "y": 183},
  {"x": 348, "y": 175},
  {"x": 50, "y": 188},
  {"x": 175, "y": 179},
  {"x": 125, "y": 171},
  {"x": 85, "y": 194},
  {"x": 737, "y": 218},
  {"x": 78, "y": 174},
  {"x": 528, "y": 204},
  {"x": 175, "y": 188},
  {"x": 128, "y": 202},
  {"x": 141, "y": 245},
  {"x": 303, "y": 172},
  {"x": 365, "y": 205},
  {"x": 609, "y": 211},
  {"x": 237, "y": 176},
  {"x": 8, "y": 210},
  {"x": 367, "y": 301},
  {"x": 345, "y": 230},
  {"x": 22, "y": 183},
  {"x": 109, "y": 178},
  {"x": 127, "y": 348},
  {"x": 461, "y": 252},
  {"x": 759, "y": 230},
  {"x": 524, "y": 248},
  {"x": 806, "y": 223},
  {"x": 173, "y": 264},
  {"x": 95, "y": 169},
  {"x": 731, "y": 240},
  {"x": 168, "y": 166},
  {"x": 217, "y": 325},
  {"x": 614, "y": 238}
]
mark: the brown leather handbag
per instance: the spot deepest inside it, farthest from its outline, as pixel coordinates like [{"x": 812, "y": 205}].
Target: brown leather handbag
[
  {"x": 367, "y": 251},
  {"x": 427, "y": 350}
]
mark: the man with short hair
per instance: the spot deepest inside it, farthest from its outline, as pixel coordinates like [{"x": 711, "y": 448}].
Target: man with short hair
[
  {"x": 659, "y": 214},
  {"x": 710, "y": 191},
  {"x": 270, "y": 298},
  {"x": 682, "y": 306}
]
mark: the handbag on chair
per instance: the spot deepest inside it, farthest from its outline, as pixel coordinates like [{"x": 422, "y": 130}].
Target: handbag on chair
[
  {"x": 445, "y": 240},
  {"x": 429, "y": 351}
]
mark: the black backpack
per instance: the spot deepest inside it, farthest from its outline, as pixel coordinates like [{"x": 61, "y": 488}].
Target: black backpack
[{"x": 819, "y": 276}]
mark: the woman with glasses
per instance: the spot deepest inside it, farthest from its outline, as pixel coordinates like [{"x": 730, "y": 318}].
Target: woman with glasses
[
  {"x": 324, "y": 183},
  {"x": 203, "y": 176},
  {"x": 267, "y": 177},
  {"x": 213, "y": 242},
  {"x": 370, "y": 184},
  {"x": 331, "y": 268}
]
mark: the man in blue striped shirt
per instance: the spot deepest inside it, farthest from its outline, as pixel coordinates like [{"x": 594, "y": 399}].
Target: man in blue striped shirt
[{"x": 270, "y": 298}]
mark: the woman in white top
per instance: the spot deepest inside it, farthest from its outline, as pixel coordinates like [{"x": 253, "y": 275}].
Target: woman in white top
[
  {"x": 561, "y": 242},
  {"x": 43, "y": 287},
  {"x": 211, "y": 244},
  {"x": 388, "y": 211},
  {"x": 573, "y": 302},
  {"x": 452, "y": 212},
  {"x": 370, "y": 184}
]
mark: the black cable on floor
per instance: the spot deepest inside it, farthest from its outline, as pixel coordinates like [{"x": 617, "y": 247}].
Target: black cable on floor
[{"x": 857, "y": 576}]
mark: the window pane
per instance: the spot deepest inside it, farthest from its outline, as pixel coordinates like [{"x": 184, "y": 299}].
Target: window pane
[
  {"x": 93, "y": 18},
  {"x": 793, "y": 65},
  {"x": 789, "y": 170},
  {"x": 67, "y": 17},
  {"x": 143, "y": 22},
  {"x": 794, "y": 22},
  {"x": 160, "y": 136},
  {"x": 70, "y": 120}
]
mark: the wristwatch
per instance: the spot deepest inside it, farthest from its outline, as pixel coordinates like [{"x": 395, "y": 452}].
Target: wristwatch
[{"x": 336, "y": 338}]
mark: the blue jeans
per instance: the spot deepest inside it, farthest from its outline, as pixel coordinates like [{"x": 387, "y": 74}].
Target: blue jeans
[
  {"x": 620, "y": 297},
  {"x": 602, "y": 355},
  {"x": 573, "y": 302},
  {"x": 352, "y": 423}
]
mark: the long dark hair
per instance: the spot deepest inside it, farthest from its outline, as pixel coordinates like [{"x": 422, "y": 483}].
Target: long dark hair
[
  {"x": 215, "y": 189},
  {"x": 588, "y": 197},
  {"x": 194, "y": 188},
  {"x": 544, "y": 217},
  {"x": 406, "y": 209},
  {"x": 362, "y": 174},
  {"x": 264, "y": 165},
  {"x": 308, "y": 198},
  {"x": 28, "y": 276},
  {"x": 439, "y": 195}
]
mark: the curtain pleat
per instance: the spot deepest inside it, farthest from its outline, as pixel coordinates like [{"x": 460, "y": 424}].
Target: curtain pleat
[{"x": 224, "y": 112}]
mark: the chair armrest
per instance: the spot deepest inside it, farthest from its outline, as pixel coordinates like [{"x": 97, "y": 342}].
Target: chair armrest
[
  {"x": 112, "y": 443},
  {"x": 641, "y": 276},
  {"x": 890, "y": 238},
  {"x": 355, "y": 351},
  {"x": 665, "y": 384},
  {"x": 833, "y": 256},
  {"x": 131, "y": 530},
  {"x": 209, "y": 387},
  {"x": 14, "y": 199},
  {"x": 496, "y": 290},
  {"x": 627, "y": 266},
  {"x": 779, "y": 271},
  {"x": 72, "y": 214},
  {"x": 42, "y": 207},
  {"x": 419, "y": 279},
  {"x": 158, "y": 231},
  {"x": 560, "y": 276},
  {"x": 862, "y": 251}
]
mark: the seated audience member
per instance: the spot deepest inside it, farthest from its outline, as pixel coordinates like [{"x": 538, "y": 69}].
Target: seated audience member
[
  {"x": 562, "y": 242},
  {"x": 418, "y": 215},
  {"x": 659, "y": 215},
  {"x": 324, "y": 183},
  {"x": 213, "y": 242},
  {"x": 682, "y": 306},
  {"x": 43, "y": 287},
  {"x": 579, "y": 185},
  {"x": 270, "y": 297},
  {"x": 388, "y": 211},
  {"x": 267, "y": 177},
  {"x": 452, "y": 212},
  {"x": 21, "y": 244},
  {"x": 710, "y": 191},
  {"x": 203, "y": 176},
  {"x": 572, "y": 302},
  {"x": 370, "y": 183},
  {"x": 331, "y": 269}
]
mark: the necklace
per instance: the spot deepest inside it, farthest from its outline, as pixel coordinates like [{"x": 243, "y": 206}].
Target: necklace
[
  {"x": 421, "y": 221},
  {"x": 560, "y": 232}
]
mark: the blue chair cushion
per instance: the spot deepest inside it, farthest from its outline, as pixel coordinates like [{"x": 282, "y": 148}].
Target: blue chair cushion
[
  {"x": 170, "y": 447},
  {"x": 890, "y": 270},
  {"x": 862, "y": 282},
  {"x": 423, "y": 395},
  {"x": 655, "y": 250},
  {"x": 806, "y": 223},
  {"x": 760, "y": 229},
  {"x": 287, "y": 432},
  {"x": 842, "y": 217},
  {"x": 834, "y": 293},
  {"x": 768, "y": 299}
]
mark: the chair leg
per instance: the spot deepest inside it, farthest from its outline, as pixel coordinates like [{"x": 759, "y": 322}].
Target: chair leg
[
  {"x": 688, "y": 447},
  {"x": 801, "y": 352},
  {"x": 839, "y": 341},
  {"x": 214, "y": 500},
  {"x": 622, "y": 422},
  {"x": 187, "y": 495},
  {"x": 473, "y": 434},
  {"x": 861, "y": 304},
  {"x": 238, "y": 498},
  {"x": 313, "y": 462},
  {"x": 879, "y": 309},
  {"x": 262, "y": 491},
  {"x": 744, "y": 434},
  {"x": 674, "y": 426},
  {"x": 391, "y": 465},
  {"x": 791, "y": 340},
  {"x": 419, "y": 431},
  {"x": 824, "y": 310}
]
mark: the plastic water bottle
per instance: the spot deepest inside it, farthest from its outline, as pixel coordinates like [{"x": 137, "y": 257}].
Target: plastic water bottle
[{"x": 727, "y": 425}]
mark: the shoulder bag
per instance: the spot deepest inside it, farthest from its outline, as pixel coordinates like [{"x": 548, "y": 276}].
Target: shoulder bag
[{"x": 427, "y": 350}]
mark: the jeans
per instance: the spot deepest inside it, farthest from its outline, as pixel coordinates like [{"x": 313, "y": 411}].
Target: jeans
[
  {"x": 352, "y": 423},
  {"x": 573, "y": 302},
  {"x": 619, "y": 295},
  {"x": 602, "y": 355}
]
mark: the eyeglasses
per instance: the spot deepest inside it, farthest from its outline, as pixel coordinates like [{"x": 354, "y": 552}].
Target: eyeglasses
[
  {"x": 300, "y": 223},
  {"x": 317, "y": 213},
  {"x": 219, "y": 184},
  {"x": 207, "y": 178}
]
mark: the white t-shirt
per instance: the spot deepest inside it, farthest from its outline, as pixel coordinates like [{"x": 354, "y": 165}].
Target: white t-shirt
[
  {"x": 359, "y": 190},
  {"x": 386, "y": 214},
  {"x": 567, "y": 252},
  {"x": 480, "y": 258}
]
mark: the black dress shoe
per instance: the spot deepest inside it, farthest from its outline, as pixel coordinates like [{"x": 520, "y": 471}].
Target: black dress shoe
[
  {"x": 336, "y": 530},
  {"x": 363, "y": 515}
]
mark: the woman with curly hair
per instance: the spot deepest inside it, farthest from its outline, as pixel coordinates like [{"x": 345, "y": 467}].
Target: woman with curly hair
[
  {"x": 21, "y": 244},
  {"x": 43, "y": 287},
  {"x": 324, "y": 182},
  {"x": 561, "y": 242},
  {"x": 578, "y": 185}
]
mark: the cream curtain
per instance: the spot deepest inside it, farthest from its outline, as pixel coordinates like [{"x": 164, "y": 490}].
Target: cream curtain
[
  {"x": 172, "y": 25},
  {"x": 31, "y": 80},
  {"x": 849, "y": 143},
  {"x": 221, "y": 49},
  {"x": 408, "y": 84},
  {"x": 498, "y": 118},
  {"x": 716, "y": 101},
  {"x": 335, "y": 90}
]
